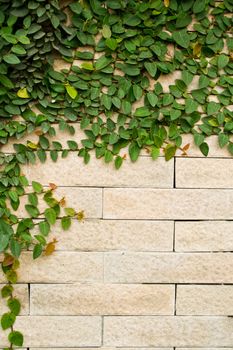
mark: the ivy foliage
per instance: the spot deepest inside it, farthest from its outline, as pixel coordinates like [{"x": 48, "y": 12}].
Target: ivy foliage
[{"x": 118, "y": 56}]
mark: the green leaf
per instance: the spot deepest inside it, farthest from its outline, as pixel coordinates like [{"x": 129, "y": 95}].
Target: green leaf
[
  {"x": 6, "y": 291},
  {"x": 106, "y": 31},
  {"x": 199, "y": 139},
  {"x": 182, "y": 38},
  {"x": 204, "y": 149},
  {"x": 7, "y": 320},
  {"x": 87, "y": 66},
  {"x": 111, "y": 43},
  {"x": 44, "y": 228},
  {"x": 37, "y": 187},
  {"x": 137, "y": 91},
  {"x": 32, "y": 211},
  {"x": 11, "y": 59},
  {"x": 170, "y": 151},
  {"x": 190, "y": 105},
  {"x": 203, "y": 81},
  {"x": 37, "y": 251},
  {"x": 142, "y": 112},
  {"x": 72, "y": 92},
  {"x": 102, "y": 62},
  {"x": 65, "y": 223},
  {"x": 213, "y": 107},
  {"x": 151, "y": 68},
  {"x": 50, "y": 215},
  {"x": 134, "y": 151},
  {"x": 223, "y": 139},
  {"x": 15, "y": 248},
  {"x": 199, "y": 6},
  {"x": 155, "y": 152},
  {"x": 230, "y": 147},
  {"x": 16, "y": 338},
  {"x": 126, "y": 107},
  {"x": 14, "y": 306},
  {"x": 222, "y": 61},
  {"x": 5, "y": 81},
  {"x": 6, "y": 232},
  {"x": 152, "y": 99},
  {"x": 118, "y": 162}
]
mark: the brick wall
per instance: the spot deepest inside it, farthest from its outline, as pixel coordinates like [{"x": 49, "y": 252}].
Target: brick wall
[{"x": 151, "y": 266}]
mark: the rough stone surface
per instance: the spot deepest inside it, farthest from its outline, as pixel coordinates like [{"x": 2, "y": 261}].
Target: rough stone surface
[
  {"x": 204, "y": 173},
  {"x": 102, "y": 299},
  {"x": 203, "y": 236},
  {"x": 55, "y": 331},
  {"x": 174, "y": 204},
  {"x": 204, "y": 300},
  {"x": 144, "y": 173},
  {"x": 168, "y": 331},
  {"x": 108, "y": 235},
  {"x": 168, "y": 268},
  {"x": 61, "y": 267}
]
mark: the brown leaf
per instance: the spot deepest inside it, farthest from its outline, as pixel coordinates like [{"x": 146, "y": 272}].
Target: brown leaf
[
  {"x": 80, "y": 215},
  {"x": 52, "y": 186},
  {"x": 50, "y": 248},
  {"x": 166, "y": 3},
  {"x": 197, "y": 50},
  {"x": 39, "y": 132},
  {"x": 62, "y": 202},
  {"x": 186, "y": 147},
  {"x": 8, "y": 260}
]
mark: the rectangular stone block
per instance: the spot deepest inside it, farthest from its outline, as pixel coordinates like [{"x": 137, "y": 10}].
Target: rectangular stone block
[
  {"x": 102, "y": 299},
  {"x": 55, "y": 331},
  {"x": 21, "y": 293},
  {"x": 143, "y": 173},
  {"x": 88, "y": 199},
  {"x": 105, "y": 235},
  {"x": 61, "y": 267},
  {"x": 204, "y": 173},
  {"x": 168, "y": 268},
  {"x": 111, "y": 348},
  {"x": 191, "y": 236},
  {"x": 204, "y": 300},
  {"x": 168, "y": 331},
  {"x": 176, "y": 204}
]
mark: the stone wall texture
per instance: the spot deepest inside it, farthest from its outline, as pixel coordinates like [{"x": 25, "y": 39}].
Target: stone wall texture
[{"x": 149, "y": 268}]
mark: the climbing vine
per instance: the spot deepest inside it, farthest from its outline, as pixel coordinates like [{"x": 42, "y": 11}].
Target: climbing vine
[{"x": 117, "y": 56}]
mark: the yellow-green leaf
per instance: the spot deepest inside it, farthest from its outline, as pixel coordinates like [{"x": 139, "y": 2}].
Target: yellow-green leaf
[
  {"x": 71, "y": 91},
  {"x": 22, "y": 93}
]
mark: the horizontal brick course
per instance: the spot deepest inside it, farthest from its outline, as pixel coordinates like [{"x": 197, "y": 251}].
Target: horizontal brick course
[
  {"x": 144, "y": 173},
  {"x": 55, "y": 331},
  {"x": 167, "y": 204},
  {"x": 61, "y": 267},
  {"x": 107, "y": 235},
  {"x": 102, "y": 299},
  {"x": 168, "y": 268},
  {"x": 168, "y": 331}
]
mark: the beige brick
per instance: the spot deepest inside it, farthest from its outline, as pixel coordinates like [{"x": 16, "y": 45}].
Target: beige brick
[
  {"x": 61, "y": 267},
  {"x": 168, "y": 268},
  {"x": 204, "y": 348},
  {"x": 111, "y": 348},
  {"x": 104, "y": 235},
  {"x": 21, "y": 293},
  {"x": 204, "y": 300},
  {"x": 144, "y": 173},
  {"x": 204, "y": 173},
  {"x": 88, "y": 199},
  {"x": 168, "y": 331},
  {"x": 167, "y": 204},
  {"x": 102, "y": 299},
  {"x": 55, "y": 331},
  {"x": 203, "y": 236}
]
